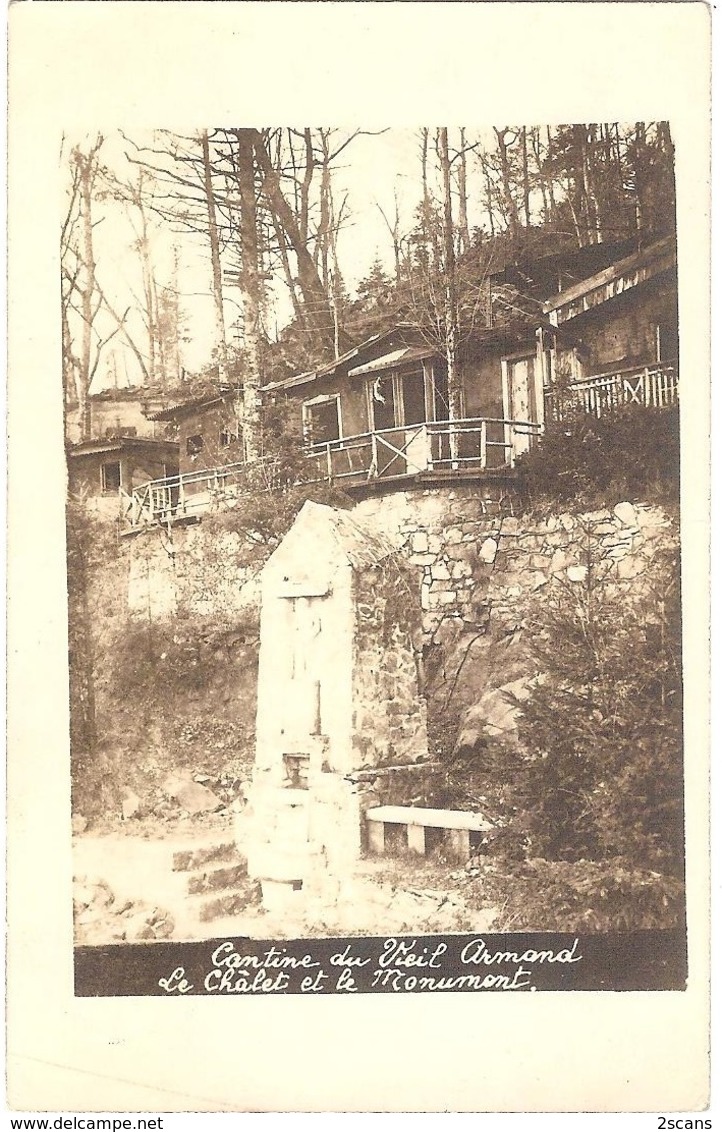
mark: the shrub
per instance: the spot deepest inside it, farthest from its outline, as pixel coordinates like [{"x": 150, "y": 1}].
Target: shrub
[
  {"x": 276, "y": 490},
  {"x": 631, "y": 453},
  {"x": 586, "y": 896},
  {"x": 602, "y": 728}
]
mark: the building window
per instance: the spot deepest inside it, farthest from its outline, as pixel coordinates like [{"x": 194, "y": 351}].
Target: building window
[
  {"x": 322, "y": 419},
  {"x": 110, "y": 476},
  {"x": 194, "y": 445}
]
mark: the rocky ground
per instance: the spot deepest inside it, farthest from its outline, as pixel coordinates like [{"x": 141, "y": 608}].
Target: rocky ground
[{"x": 187, "y": 880}]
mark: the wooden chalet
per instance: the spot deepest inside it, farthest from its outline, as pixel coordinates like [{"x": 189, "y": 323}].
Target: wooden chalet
[
  {"x": 381, "y": 411},
  {"x": 612, "y": 339},
  {"x": 379, "y": 415},
  {"x": 104, "y": 469}
]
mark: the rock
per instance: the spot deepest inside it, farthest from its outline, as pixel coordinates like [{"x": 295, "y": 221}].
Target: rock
[
  {"x": 559, "y": 561},
  {"x": 419, "y": 543},
  {"x": 465, "y": 551},
  {"x": 576, "y": 573},
  {"x": 130, "y": 804},
  {"x": 461, "y": 570},
  {"x": 534, "y": 580},
  {"x": 631, "y": 567},
  {"x": 191, "y": 796},
  {"x": 493, "y": 715},
  {"x": 651, "y": 517},
  {"x": 538, "y": 561},
  {"x": 79, "y": 824},
  {"x": 92, "y": 893},
  {"x": 487, "y": 553},
  {"x": 447, "y": 634},
  {"x": 510, "y": 525},
  {"x": 567, "y": 521},
  {"x": 626, "y": 514},
  {"x": 163, "y": 929},
  {"x": 454, "y": 536},
  {"x": 440, "y": 573}
]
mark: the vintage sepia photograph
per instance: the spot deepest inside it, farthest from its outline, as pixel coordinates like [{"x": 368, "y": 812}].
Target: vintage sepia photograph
[
  {"x": 372, "y": 443},
  {"x": 358, "y": 560}
]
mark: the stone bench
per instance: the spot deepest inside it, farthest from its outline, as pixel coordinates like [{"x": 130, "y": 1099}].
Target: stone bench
[{"x": 458, "y": 825}]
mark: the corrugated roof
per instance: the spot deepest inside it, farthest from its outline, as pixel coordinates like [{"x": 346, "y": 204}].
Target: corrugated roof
[
  {"x": 640, "y": 259},
  {"x": 394, "y": 358},
  {"x": 180, "y": 408},
  {"x": 91, "y": 447},
  {"x": 329, "y": 367}
]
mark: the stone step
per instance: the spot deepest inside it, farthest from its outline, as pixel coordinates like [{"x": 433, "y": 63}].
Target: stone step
[
  {"x": 229, "y": 903},
  {"x": 187, "y": 860},
  {"x": 225, "y": 877}
]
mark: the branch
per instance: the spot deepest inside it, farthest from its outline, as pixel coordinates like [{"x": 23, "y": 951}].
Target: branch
[{"x": 123, "y": 329}]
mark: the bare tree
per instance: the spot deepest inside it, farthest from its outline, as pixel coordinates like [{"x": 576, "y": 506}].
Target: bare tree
[
  {"x": 317, "y": 306},
  {"x": 217, "y": 274},
  {"x": 250, "y": 292},
  {"x": 451, "y": 311},
  {"x": 80, "y": 298},
  {"x": 464, "y": 235}
]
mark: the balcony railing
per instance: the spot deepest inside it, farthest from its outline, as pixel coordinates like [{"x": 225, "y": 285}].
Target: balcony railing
[
  {"x": 652, "y": 386},
  {"x": 468, "y": 445},
  {"x": 453, "y": 448},
  {"x": 192, "y": 493}
]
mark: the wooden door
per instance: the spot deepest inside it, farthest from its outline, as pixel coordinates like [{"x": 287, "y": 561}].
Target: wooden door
[{"x": 521, "y": 402}]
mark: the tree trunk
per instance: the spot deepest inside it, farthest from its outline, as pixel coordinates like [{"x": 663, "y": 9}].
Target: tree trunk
[
  {"x": 536, "y": 150},
  {"x": 317, "y": 306},
  {"x": 489, "y": 199},
  {"x": 550, "y": 180},
  {"x": 83, "y": 371},
  {"x": 215, "y": 262},
  {"x": 512, "y": 210},
  {"x": 451, "y": 324},
  {"x": 637, "y": 165},
  {"x": 425, "y": 177},
  {"x": 525, "y": 177},
  {"x": 588, "y": 165},
  {"x": 464, "y": 236},
  {"x": 250, "y": 295},
  {"x": 287, "y": 273}
]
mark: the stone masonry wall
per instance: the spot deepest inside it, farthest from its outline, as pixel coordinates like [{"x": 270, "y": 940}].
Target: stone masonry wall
[
  {"x": 389, "y": 724},
  {"x": 475, "y": 559},
  {"x": 197, "y": 570},
  {"x": 472, "y": 552}
]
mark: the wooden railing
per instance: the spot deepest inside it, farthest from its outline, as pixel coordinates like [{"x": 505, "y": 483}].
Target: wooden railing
[
  {"x": 653, "y": 386},
  {"x": 191, "y": 493},
  {"x": 449, "y": 447},
  {"x": 470, "y": 444}
]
